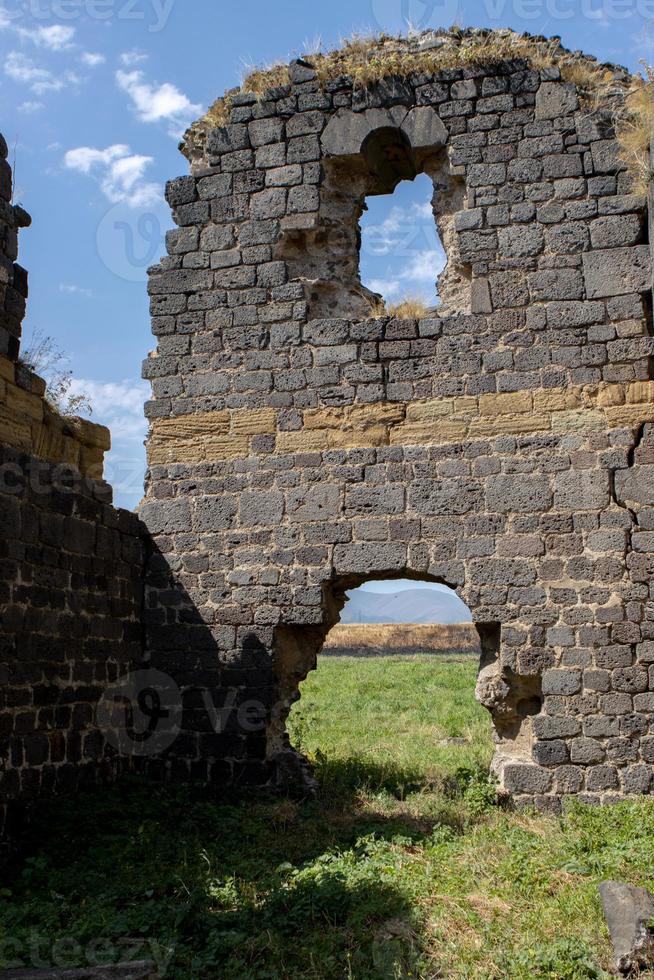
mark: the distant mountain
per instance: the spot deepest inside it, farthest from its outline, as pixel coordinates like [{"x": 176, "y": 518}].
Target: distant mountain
[{"x": 409, "y": 606}]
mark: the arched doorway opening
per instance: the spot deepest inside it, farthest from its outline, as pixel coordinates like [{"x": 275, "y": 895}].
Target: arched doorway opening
[{"x": 391, "y": 707}]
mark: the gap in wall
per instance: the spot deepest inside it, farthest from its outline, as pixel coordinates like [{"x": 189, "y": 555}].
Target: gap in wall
[
  {"x": 401, "y": 251},
  {"x": 391, "y": 707}
]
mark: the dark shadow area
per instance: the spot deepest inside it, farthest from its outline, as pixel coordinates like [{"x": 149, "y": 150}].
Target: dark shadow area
[
  {"x": 257, "y": 888},
  {"x": 241, "y": 886}
]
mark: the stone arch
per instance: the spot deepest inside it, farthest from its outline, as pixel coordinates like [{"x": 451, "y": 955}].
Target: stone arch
[
  {"x": 510, "y": 699},
  {"x": 367, "y": 154},
  {"x": 348, "y": 133}
]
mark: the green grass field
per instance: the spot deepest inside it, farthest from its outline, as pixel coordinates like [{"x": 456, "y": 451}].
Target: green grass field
[{"x": 404, "y": 867}]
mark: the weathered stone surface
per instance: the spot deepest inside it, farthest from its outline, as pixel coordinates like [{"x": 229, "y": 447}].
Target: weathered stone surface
[
  {"x": 635, "y": 486},
  {"x": 488, "y": 445},
  {"x": 346, "y": 132},
  {"x": 519, "y": 493},
  {"x": 424, "y": 128},
  {"x": 555, "y": 99},
  {"x": 629, "y": 911},
  {"x": 617, "y": 271}
]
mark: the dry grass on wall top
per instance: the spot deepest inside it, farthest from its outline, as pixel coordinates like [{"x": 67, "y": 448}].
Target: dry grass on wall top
[
  {"x": 406, "y": 309},
  {"x": 635, "y": 131},
  {"x": 369, "y": 59}
]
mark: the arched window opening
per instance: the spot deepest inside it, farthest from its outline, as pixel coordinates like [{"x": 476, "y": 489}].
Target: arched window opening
[
  {"x": 385, "y": 232},
  {"x": 402, "y": 255},
  {"x": 391, "y": 708}
]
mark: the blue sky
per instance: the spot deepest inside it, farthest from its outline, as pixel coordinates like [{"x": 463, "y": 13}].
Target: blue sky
[{"x": 95, "y": 94}]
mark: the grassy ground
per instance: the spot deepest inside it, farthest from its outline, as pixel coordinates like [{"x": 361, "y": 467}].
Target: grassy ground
[
  {"x": 395, "y": 715},
  {"x": 403, "y": 868}
]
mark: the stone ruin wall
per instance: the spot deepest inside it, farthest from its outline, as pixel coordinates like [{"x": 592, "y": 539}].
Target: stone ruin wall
[
  {"x": 301, "y": 444},
  {"x": 70, "y": 572}
]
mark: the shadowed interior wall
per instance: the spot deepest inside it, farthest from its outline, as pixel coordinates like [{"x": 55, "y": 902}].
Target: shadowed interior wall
[{"x": 71, "y": 569}]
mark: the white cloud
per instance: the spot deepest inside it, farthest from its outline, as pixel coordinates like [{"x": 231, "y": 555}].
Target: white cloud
[
  {"x": 85, "y": 157},
  {"x": 424, "y": 211},
  {"x": 153, "y": 103},
  {"x": 55, "y": 37},
  {"x": 408, "y": 239},
  {"x": 133, "y": 57},
  {"x": 119, "y": 172},
  {"x": 92, "y": 59},
  {"x": 29, "y": 107},
  {"x": 389, "y": 288},
  {"x": 67, "y": 287},
  {"x": 403, "y": 232},
  {"x": 424, "y": 266},
  {"x": 119, "y": 406},
  {"x": 21, "y": 69}
]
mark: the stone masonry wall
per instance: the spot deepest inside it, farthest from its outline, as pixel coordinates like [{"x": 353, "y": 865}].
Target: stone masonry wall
[
  {"x": 71, "y": 568},
  {"x": 503, "y": 444}
]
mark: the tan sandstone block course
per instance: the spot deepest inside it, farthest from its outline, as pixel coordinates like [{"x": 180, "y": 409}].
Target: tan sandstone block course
[
  {"x": 510, "y": 424},
  {"x": 364, "y": 416},
  {"x": 180, "y": 451},
  {"x": 505, "y": 403},
  {"x": 226, "y": 447},
  {"x": 24, "y": 403},
  {"x": 253, "y": 422},
  {"x": 7, "y": 369},
  {"x": 323, "y": 418},
  {"x": 629, "y": 414},
  {"x": 370, "y": 436},
  {"x": 640, "y": 391},
  {"x": 557, "y": 399},
  {"x": 189, "y": 426},
  {"x": 421, "y": 433},
  {"x": 306, "y": 440},
  {"x": 608, "y": 395},
  {"x": 15, "y": 432},
  {"x": 583, "y": 420}
]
